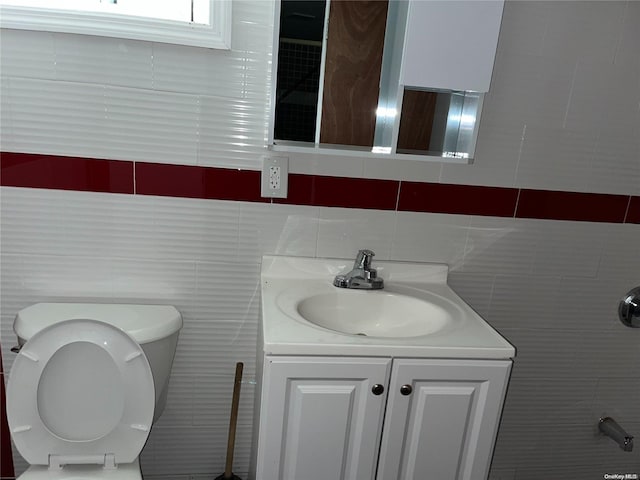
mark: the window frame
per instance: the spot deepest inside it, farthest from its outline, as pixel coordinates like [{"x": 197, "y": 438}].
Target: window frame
[{"x": 215, "y": 35}]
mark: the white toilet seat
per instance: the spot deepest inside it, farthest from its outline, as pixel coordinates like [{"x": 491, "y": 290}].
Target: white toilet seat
[
  {"x": 80, "y": 391},
  {"x": 127, "y": 471}
]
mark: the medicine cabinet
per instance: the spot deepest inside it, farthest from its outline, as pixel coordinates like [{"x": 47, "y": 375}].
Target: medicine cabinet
[{"x": 391, "y": 77}]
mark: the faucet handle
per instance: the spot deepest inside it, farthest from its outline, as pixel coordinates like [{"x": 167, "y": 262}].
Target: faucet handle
[{"x": 363, "y": 259}]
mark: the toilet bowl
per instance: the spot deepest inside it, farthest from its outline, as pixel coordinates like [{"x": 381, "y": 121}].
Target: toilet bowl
[{"x": 87, "y": 385}]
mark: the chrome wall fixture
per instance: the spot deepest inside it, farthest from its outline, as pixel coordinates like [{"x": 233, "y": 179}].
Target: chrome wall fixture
[
  {"x": 629, "y": 308},
  {"x": 611, "y": 429}
]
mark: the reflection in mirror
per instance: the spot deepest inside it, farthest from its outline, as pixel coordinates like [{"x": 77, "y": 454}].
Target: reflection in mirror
[
  {"x": 298, "y": 78},
  {"x": 440, "y": 123},
  {"x": 339, "y": 84},
  {"x": 353, "y": 65}
]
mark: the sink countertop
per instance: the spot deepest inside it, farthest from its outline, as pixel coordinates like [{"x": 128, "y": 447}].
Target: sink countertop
[{"x": 285, "y": 281}]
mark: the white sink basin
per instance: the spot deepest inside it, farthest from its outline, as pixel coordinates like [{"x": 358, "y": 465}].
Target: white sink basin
[
  {"x": 376, "y": 313},
  {"x": 415, "y": 315}
]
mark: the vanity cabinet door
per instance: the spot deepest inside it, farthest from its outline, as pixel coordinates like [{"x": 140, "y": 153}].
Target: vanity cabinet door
[
  {"x": 442, "y": 418},
  {"x": 321, "y": 418}
]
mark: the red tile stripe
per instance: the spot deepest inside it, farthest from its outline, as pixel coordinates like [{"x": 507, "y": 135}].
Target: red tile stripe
[
  {"x": 198, "y": 182},
  {"x": 588, "y": 207},
  {"x": 341, "y": 192},
  {"x": 114, "y": 176},
  {"x": 65, "y": 173},
  {"x": 633, "y": 214},
  {"x": 458, "y": 199}
]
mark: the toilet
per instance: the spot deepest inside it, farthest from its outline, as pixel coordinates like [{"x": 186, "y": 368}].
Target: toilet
[{"x": 88, "y": 383}]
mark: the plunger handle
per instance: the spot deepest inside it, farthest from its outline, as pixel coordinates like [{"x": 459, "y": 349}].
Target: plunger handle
[{"x": 233, "y": 421}]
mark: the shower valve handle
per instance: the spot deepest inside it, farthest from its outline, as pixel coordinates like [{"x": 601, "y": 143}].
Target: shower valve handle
[{"x": 629, "y": 308}]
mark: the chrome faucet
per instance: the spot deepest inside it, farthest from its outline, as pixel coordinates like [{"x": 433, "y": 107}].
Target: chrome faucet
[{"x": 362, "y": 276}]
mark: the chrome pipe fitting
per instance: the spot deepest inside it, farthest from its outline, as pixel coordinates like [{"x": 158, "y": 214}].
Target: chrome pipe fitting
[
  {"x": 609, "y": 427},
  {"x": 629, "y": 308}
]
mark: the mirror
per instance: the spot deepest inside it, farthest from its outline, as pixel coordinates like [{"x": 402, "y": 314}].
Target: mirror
[
  {"x": 438, "y": 123},
  {"x": 299, "y": 65},
  {"x": 340, "y": 85}
]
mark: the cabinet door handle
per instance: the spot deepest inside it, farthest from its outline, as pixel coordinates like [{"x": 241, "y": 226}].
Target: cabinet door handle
[
  {"x": 406, "y": 389},
  {"x": 377, "y": 389}
]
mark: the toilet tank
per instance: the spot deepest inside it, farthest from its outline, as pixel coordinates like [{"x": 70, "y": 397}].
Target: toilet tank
[{"x": 154, "y": 327}]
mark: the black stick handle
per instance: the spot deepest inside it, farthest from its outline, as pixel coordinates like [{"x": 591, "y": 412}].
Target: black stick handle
[{"x": 233, "y": 421}]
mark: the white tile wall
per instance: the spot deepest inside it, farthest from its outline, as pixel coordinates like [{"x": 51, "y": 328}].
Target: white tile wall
[
  {"x": 213, "y": 346},
  {"x": 563, "y": 111},
  {"x": 56, "y": 117},
  {"x": 574, "y": 362},
  {"x": 198, "y": 71},
  {"x": 95, "y": 57},
  {"x": 431, "y": 237},
  {"x": 502, "y": 474},
  {"x": 321, "y": 164},
  {"x": 497, "y": 154},
  {"x": 238, "y": 137},
  {"x": 199, "y": 448},
  {"x": 629, "y": 36},
  {"x": 426, "y": 171},
  {"x": 610, "y": 352},
  {"x": 475, "y": 288},
  {"x": 343, "y": 231},
  {"x": 183, "y": 230},
  {"x": 623, "y": 145},
  {"x": 27, "y": 54},
  {"x": 6, "y": 131},
  {"x": 149, "y": 125},
  {"x": 536, "y": 89},
  {"x": 584, "y": 29},
  {"x": 616, "y": 397},
  {"x": 550, "y": 401},
  {"x": 565, "y": 152},
  {"x": 286, "y": 230},
  {"x": 526, "y": 299},
  {"x": 500, "y": 245},
  {"x": 621, "y": 256},
  {"x": 568, "y": 249},
  {"x": 560, "y": 81}
]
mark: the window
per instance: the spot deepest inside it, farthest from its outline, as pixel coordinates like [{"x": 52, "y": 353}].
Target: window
[{"x": 201, "y": 23}]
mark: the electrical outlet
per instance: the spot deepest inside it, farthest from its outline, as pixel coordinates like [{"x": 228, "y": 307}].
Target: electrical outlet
[
  {"x": 274, "y": 177},
  {"x": 275, "y": 172}
]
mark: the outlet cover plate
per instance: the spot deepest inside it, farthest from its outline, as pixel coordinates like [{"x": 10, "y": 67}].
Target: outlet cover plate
[{"x": 265, "y": 188}]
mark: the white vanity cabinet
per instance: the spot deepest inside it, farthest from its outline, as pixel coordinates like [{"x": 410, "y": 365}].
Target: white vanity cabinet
[
  {"x": 401, "y": 383},
  {"x": 364, "y": 418},
  {"x": 319, "y": 418},
  {"x": 442, "y": 418}
]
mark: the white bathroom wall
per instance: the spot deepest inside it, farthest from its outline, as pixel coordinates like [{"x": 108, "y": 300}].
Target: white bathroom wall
[
  {"x": 550, "y": 287},
  {"x": 103, "y": 97},
  {"x": 563, "y": 113}
]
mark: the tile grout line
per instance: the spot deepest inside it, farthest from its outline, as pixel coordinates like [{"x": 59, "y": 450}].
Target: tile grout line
[
  {"x": 515, "y": 210},
  {"x": 626, "y": 212},
  {"x": 398, "y": 195}
]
